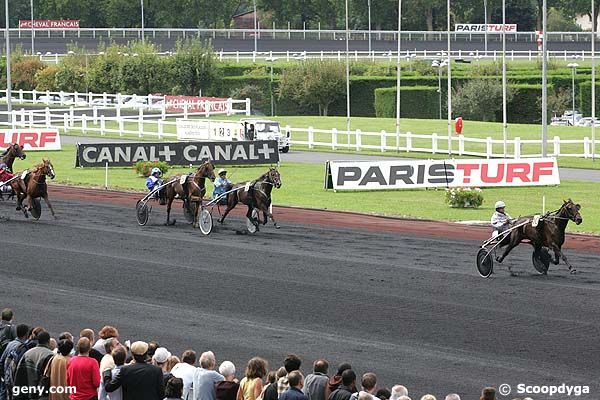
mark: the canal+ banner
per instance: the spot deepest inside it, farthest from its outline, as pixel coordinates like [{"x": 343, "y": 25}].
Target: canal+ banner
[
  {"x": 177, "y": 153},
  {"x": 414, "y": 174}
]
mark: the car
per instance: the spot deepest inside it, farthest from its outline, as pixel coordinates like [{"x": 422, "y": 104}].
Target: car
[{"x": 49, "y": 98}]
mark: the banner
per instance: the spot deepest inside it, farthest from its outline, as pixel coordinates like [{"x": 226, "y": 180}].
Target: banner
[
  {"x": 177, "y": 153},
  {"x": 509, "y": 28},
  {"x": 197, "y": 129},
  {"x": 409, "y": 174},
  {"x": 195, "y": 104},
  {"x": 49, "y": 24},
  {"x": 31, "y": 139}
]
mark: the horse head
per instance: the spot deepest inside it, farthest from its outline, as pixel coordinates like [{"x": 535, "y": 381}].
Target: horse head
[
  {"x": 17, "y": 150},
  {"x": 48, "y": 169},
  {"x": 274, "y": 177},
  {"x": 570, "y": 210},
  {"x": 206, "y": 170}
]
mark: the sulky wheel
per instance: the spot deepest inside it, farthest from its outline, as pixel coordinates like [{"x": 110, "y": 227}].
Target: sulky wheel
[
  {"x": 252, "y": 224},
  {"x": 142, "y": 212},
  {"x": 541, "y": 260},
  {"x": 485, "y": 263},
  {"x": 205, "y": 221},
  {"x": 36, "y": 210}
]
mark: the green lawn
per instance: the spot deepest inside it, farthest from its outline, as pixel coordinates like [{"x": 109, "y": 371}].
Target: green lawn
[{"x": 303, "y": 186}]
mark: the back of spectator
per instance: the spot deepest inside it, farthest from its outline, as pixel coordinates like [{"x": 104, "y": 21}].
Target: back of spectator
[
  {"x": 315, "y": 383},
  {"x": 369, "y": 386},
  {"x": 336, "y": 380},
  {"x": 56, "y": 370},
  {"x": 291, "y": 363},
  {"x": 398, "y": 391},
  {"x": 119, "y": 356},
  {"x": 174, "y": 389},
  {"x": 228, "y": 388},
  {"x": 251, "y": 385},
  {"x": 296, "y": 383},
  {"x": 160, "y": 358},
  {"x": 452, "y": 396},
  {"x": 107, "y": 332},
  {"x": 270, "y": 392},
  {"x": 348, "y": 386},
  {"x": 83, "y": 372},
  {"x": 186, "y": 370},
  {"x": 384, "y": 394},
  {"x": 9, "y": 360},
  {"x": 205, "y": 377},
  {"x": 488, "y": 393},
  {"x": 89, "y": 334},
  {"x": 428, "y": 397},
  {"x": 33, "y": 363},
  {"x": 7, "y": 329}
]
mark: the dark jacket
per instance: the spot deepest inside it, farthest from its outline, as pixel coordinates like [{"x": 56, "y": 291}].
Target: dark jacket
[
  {"x": 333, "y": 383},
  {"x": 293, "y": 394},
  {"x": 138, "y": 381},
  {"x": 342, "y": 393},
  {"x": 271, "y": 392},
  {"x": 226, "y": 390},
  {"x": 96, "y": 355}
]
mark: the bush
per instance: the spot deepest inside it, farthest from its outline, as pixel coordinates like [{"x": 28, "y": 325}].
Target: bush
[
  {"x": 46, "y": 78},
  {"x": 479, "y": 99},
  {"x": 585, "y": 98},
  {"x": 415, "y": 102},
  {"x": 193, "y": 68},
  {"x": 259, "y": 99},
  {"x": 24, "y": 71},
  {"x": 525, "y": 107},
  {"x": 143, "y": 168},
  {"x": 464, "y": 197}
]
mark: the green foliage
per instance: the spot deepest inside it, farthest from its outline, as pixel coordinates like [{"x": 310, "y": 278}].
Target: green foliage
[
  {"x": 415, "y": 102},
  {"x": 261, "y": 100},
  {"x": 585, "y": 98},
  {"x": 257, "y": 71},
  {"x": 479, "y": 99},
  {"x": 464, "y": 197},
  {"x": 71, "y": 74},
  {"x": 24, "y": 71},
  {"x": 46, "y": 78},
  {"x": 423, "y": 67},
  {"x": 559, "y": 21},
  {"x": 558, "y": 101},
  {"x": 487, "y": 69},
  {"x": 143, "y": 168},
  {"x": 193, "y": 68},
  {"x": 524, "y": 107}
]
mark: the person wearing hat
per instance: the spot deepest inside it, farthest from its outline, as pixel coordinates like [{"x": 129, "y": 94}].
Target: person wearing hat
[
  {"x": 160, "y": 358},
  {"x": 139, "y": 380},
  {"x": 500, "y": 219},
  {"x": 222, "y": 185},
  {"x": 154, "y": 181}
]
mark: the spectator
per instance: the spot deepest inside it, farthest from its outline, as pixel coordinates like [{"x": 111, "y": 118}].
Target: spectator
[
  {"x": 384, "y": 394},
  {"x": 140, "y": 380},
  {"x": 83, "y": 372},
  {"x": 185, "y": 370},
  {"x": 270, "y": 392},
  {"x": 152, "y": 346},
  {"x": 174, "y": 389},
  {"x": 95, "y": 354},
  {"x": 107, "y": 362},
  {"x": 428, "y": 397},
  {"x": 171, "y": 362},
  {"x": 251, "y": 385},
  {"x": 161, "y": 355},
  {"x": 291, "y": 363},
  {"x": 336, "y": 380},
  {"x": 56, "y": 370},
  {"x": 205, "y": 377},
  {"x": 119, "y": 355},
  {"x": 369, "y": 386},
  {"x": 399, "y": 391},
  {"x": 348, "y": 386},
  {"x": 107, "y": 332},
  {"x": 315, "y": 383},
  {"x": 19, "y": 346},
  {"x": 8, "y": 331},
  {"x": 364, "y": 396},
  {"x": 452, "y": 396},
  {"x": 488, "y": 393},
  {"x": 34, "y": 361},
  {"x": 296, "y": 383},
  {"x": 227, "y": 389}
]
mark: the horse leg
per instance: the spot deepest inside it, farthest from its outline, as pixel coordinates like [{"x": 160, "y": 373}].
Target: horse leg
[
  {"x": 45, "y": 197},
  {"x": 231, "y": 203},
  {"x": 249, "y": 216},
  {"x": 514, "y": 242},
  {"x": 558, "y": 254},
  {"x": 169, "y": 205}
]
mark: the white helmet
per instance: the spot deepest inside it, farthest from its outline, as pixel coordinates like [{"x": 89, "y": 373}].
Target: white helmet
[
  {"x": 500, "y": 204},
  {"x": 155, "y": 170}
]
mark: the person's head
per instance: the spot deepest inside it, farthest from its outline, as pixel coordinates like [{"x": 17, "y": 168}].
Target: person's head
[
  {"x": 33, "y": 335},
  {"x": 428, "y": 397},
  {"x": 83, "y": 346},
  {"x": 342, "y": 368},
  {"x": 281, "y": 372},
  {"x": 152, "y": 346},
  {"x": 161, "y": 356},
  {"x": 364, "y": 396},
  {"x": 256, "y": 368},
  {"x": 292, "y": 363},
  {"x": 65, "y": 346},
  {"x": 156, "y": 172},
  {"x": 223, "y": 173},
  {"x": 227, "y": 369},
  {"x": 139, "y": 351},
  {"x": 87, "y": 333},
  {"x": 108, "y": 332},
  {"x": 321, "y": 366},
  {"x": 208, "y": 360},
  {"x": 488, "y": 393},
  {"x": 296, "y": 379},
  {"x": 271, "y": 377},
  {"x": 43, "y": 338},
  {"x": 119, "y": 355},
  {"x": 7, "y": 315},
  {"x": 66, "y": 335},
  {"x": 52, "y": 344},
  {"x": 384, "y": 394},
  {"x": 174, "y": 388},
  {"x": 171, "y": 362},
  {"x": 404, "y": 398},
  {"x": 110, "y": 344},
  {"x": 189, "y": 357},
  {"x": 348, "y": 378},
  {"x": 22, "y": 331},
  {"x": 500, "y": 206},
  {"x": 369, "y": 382},
  {"x": 452, "y": 396},
  {"x": 398, "y": 391}
]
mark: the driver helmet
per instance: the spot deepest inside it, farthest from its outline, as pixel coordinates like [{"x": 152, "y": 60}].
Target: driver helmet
[
  {"x": 3, "y": 166},
  {"x": 500, "y": 204},
  {"x": 222, "y": 171},
  {"x": 155, "y": 171}
]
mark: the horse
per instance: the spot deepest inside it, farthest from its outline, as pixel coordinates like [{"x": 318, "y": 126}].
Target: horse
[
  {"x": 549, "y": 233},
  {"x": 191, "y": 191},
  {"x": 257, "y": 195},
  {"x": 35, "y": 186},
  {"x": 9, "y": 155}
]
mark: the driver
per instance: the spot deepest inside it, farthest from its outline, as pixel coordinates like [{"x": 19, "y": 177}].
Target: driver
[
  {"x": 500, "y": 219},
  {"x": 5, "y": 174},
  {"x": 222, "y": 184},
  {"x": 154, "y": 182}
]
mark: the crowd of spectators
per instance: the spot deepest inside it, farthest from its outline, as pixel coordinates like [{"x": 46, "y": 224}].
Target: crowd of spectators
[{"x": 106, "y": 369}]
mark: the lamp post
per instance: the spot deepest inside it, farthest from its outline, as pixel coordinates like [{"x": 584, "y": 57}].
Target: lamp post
[
  {"x": 142, "y": 7},
  {"x": 271, "y": 60},
  {"x": 369, "y": 7},
  {"x": 8, "y": 81},
  {"x": 32, "y": 33},
  {"x": 573, "y": 67},
  {"x": 255, "y": 28},
  {"x": 544, "y": 79},
  {"x": 398, "y": 77},
  {"x": 347, "y": 78},
  {"x": 485, "y": 25},
  {"x": 439, "y": 65}
]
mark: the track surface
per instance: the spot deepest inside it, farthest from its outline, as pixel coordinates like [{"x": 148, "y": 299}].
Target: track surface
[{"x": 410, "y": 308}]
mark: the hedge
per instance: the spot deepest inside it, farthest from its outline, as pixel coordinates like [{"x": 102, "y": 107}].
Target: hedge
[
  {"x": 584, "y": 99},
  {"x": 415, "y": 102},
  {"x": 524, "y": 108}
]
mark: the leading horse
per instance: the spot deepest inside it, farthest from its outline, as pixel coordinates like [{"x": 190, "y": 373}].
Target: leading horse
[
  {"x": 255, "y": 194},
  {"x": 35, "y": 186},
  {"x": 549, "y": 233},
  {"x": 191, "y": 191},
  {"x": 13, "y": 152}
]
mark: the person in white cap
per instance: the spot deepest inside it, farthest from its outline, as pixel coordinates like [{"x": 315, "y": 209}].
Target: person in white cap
[
  {"x": 500, "y": 219},
  {"x": 160, "y": 358},
  {"x": 222, "y": 184}
]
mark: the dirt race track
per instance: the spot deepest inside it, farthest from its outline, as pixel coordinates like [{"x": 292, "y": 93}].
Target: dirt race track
[{"x": 399, "y": 298}]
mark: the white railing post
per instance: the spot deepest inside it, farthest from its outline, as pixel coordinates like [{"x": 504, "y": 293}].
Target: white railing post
[
  {"x": 383, "y": 141},
  {"x": 20, "y": 95},
  {"x": 185, "y": 110},
  {"x": 75, "y": 97},
  {"x": 248, "y": 108},
  {"x": 66, "y": 122},
  {"x": 84, "y": 123},
  {"x": 118, "y": 112},
  {"x": 90, "y": 97},
  {"x": 358, "y": 135},
  {"x": 586, "y": 147},
  {"x": 31, "y": 118},
  {"x": 140, "y": 121},
  {"x": 47, "y": 117},
  {"x": 207, "y": 108},
  {"x": 47, "y": 97},
  {"x": 95, "y": 115},
  {"x": 434, "y": 143},
  {"x": 102, "y": 125},
  {"x": 556, "y": 146},
  {"x": 13, "y": 119},
  {"x": 408, "y": 141},
  {"x": 229, "y": 106},
  {"x": 489, "y": 147},
  {"x": 311, "y": 137},
  {"x": 119, "y": 99},
  {"x": 61, "y": 94},
  {"x": 163, "y": 111},
  {"x": 160, "y": 128},
  {"x": 517, "y": 147},
  {"x": 121, "y": 126},
  {"x": 334, "y": 138},
  {"x": 104, "y": 99},
  {"x": 72, "y": 115},
  {"x": 34, "y": 96},
  {"x": 461, "y": 145}
]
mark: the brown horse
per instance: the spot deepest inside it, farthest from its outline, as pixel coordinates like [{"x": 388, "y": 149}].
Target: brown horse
[
  {"x": 549, "y": 233},
  {"x": 191, "y": 191},
  {"x": 35, "y": 187},
  {"x": 9, "y": 155},
  {"x": 257, "y": 195}
]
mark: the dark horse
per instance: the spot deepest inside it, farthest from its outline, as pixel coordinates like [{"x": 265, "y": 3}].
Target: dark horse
[
  {"x": 255, "y": 194},
  {"x": 8, "y": 157},
  {"x": 191, "y": 191},
  {"x": 549, "y": 233},
  {"x": 35, "y": 186}
]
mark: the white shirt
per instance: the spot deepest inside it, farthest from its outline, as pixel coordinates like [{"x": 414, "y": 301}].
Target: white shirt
[
  {"x": 186, "y": 372},
  {"x": 499, "y": 221}
]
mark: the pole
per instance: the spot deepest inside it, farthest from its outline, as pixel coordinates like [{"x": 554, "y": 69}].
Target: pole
[
  {"x": 504, "y": 117},
  {"x": 398, "y": 76},
  {"x": 449, "y": 84},
  {"x": 32, "y": 32},
  {"x": 440, "y": 90},
  {"x": 593, "y": 82},
  {"x": 255, "y": 28},
  {"x": 271, "y": 90},
  {"x": 485, "y": 25},
  {"x": 347, "y": 78},
  {"x": 369, "y": 6},
  {"x": 544, "y": 81},
  {"x": 142, "y": 7},
  {"x": 573, "y": 93},
  {"x": 8, "y": 81}
]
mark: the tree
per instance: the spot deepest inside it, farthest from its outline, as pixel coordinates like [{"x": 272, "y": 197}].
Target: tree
[
  {"x": 479, "y": 99},
  {"x": 193, "y": 68}
]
